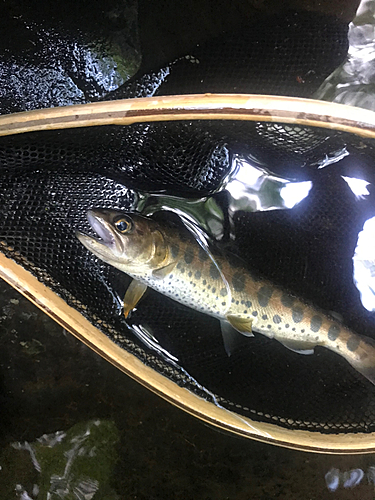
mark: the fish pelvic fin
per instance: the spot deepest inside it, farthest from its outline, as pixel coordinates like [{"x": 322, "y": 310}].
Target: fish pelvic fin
[
  {"x": 298, "y": 346},
  {"x": 242, "y": 325}
]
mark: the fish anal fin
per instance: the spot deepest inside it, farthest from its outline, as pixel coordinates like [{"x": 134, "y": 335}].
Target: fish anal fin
[
  {"x": 162, "y": 272},
  {"x": 242, "y": 325},
  {"x": 298, "y": 346},
  {"x": 231, "y": 337},
  {"x": 133, "y": 295}
]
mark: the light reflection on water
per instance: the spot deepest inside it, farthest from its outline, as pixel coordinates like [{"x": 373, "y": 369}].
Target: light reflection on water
[
  {"x": 364, "y": 264},
  {"x": 348, "y": 479},
  {"x": 249, "y": 187},
  {"x": 252, "y": 188},
  {"x": 358, "y": 186},
  {"x": 71, "y": 464},
  {"x": 333, "y": 158}
]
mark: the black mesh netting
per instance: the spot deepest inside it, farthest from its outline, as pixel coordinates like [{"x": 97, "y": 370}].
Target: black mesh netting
[{"x": 48, "y": 181}]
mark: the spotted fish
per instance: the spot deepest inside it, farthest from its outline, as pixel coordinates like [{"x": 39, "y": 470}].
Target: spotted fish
[{"x": 161, "y": 257}]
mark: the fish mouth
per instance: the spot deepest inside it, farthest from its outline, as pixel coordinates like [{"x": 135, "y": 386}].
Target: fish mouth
[{"x": 108, "y": 245}]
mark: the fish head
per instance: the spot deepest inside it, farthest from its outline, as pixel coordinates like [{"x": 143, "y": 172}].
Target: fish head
[{"x": 127, "y": 241}]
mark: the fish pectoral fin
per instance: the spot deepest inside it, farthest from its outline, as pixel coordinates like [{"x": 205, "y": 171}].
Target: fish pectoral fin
[
  {"x": 298, "y": 346},
  {"x": 162, "y": 272},
  {"x": 133, "y": 295},
  {"x": 242, "y": 325}
]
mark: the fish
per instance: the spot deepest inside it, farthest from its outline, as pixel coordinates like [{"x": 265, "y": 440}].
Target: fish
[{"x": 161, "y": 256}]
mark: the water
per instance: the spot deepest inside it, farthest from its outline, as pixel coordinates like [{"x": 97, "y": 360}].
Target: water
[
  {"x": 52, "y": 383},
  {"x": 75, "y": 427}
]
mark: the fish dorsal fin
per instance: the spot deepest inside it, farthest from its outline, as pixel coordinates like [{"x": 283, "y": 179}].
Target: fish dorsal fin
[
  {"x": 133, "y": 295},
  {"x": 162, "y": 272},
  {"x": 242, "y": 325},
  {"x": 298, "y": 346}
]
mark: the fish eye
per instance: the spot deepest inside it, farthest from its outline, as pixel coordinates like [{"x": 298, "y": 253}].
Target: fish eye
[{"x": 123, "y": 225}]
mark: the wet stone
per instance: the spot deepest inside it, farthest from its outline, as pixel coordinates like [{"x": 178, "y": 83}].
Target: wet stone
[
  {"x": 264, "y": 295},
  {"x": 316, "y": 323}
]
